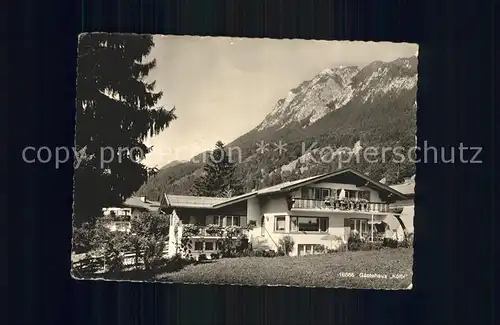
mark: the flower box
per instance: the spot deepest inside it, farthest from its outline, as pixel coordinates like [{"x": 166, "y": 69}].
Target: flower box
[{"x": 213, "y": 230}]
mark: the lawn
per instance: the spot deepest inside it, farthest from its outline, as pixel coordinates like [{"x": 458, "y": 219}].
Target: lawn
[{"x": 383, "y": 269}]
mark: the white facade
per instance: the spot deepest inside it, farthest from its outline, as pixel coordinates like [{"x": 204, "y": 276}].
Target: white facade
[
  {"x": 117, "y": 211},
  {"x": 134, "y": 206},
  {"x": 322, "y": 225},
  {"x": 310, "y": 221}
]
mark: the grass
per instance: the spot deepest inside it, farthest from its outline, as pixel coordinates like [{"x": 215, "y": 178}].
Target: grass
[{"x": 311, "y": 271}]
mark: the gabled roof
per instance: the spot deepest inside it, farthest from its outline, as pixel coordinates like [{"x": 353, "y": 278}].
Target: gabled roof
[
  {"x": 137, "y": 202},
  {"x": 267, "y": 190},
  {"x": 186, "y": 201},
  {"x": 368, "y": 180},
  {"x": 406, "y": 189},
  {"x": 288, "y": 186}
]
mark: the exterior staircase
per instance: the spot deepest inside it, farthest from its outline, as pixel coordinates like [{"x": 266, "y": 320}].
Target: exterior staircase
[{"x": 260, "y": 243}]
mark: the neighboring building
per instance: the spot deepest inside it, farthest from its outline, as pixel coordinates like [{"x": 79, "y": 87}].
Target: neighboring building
[
  {"x": 319, "y": 210},
  {"x": 133, "y": 206},
  {"x": 407, "y": 206}
]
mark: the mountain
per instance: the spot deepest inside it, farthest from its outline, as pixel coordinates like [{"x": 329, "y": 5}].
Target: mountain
[
  {"x": 321, "y": 123},
  {"x": 174, "y": 163},
  {"x": 311, "y": 99}
]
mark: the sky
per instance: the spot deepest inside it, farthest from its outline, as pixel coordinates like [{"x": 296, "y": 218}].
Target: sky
[{"x": 223, "y": 87}]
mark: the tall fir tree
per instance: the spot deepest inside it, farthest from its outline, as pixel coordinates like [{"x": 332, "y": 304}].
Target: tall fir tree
[
  {"x": 116, "y": 109},
  {"x": 219, "y": 175}
]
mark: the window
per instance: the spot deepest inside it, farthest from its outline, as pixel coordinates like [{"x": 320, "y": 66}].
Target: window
[
  {"x": 294, "y": 224},
  {"x": 305, "y": 249},
  {"x": 364, "y": 195},
  {"x": 350, "y": 194},
  {"x": 232, "y": 221},
  {"x": 209, "y": 246},
  {"x": 355, "y": 195},
  {"x": 279, "y": 224},
  {"x": 317, "y": 193},
  {"x": 198, "y": 246},
  {"x": 218, "y": 220},
  {"x": 361, "y": 225},
  {"x": 323, "y": 224},
  {"x": 308, "y": 224}
]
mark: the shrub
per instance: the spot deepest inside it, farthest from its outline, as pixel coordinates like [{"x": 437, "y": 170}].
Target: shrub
[
  {"x": 354, "y": 242},
  {"x": 241, "y": 244},
  {"x": 214, "y": 230},
  {"x": 286, "y": 242},
  {"x": 190, "y": 230},
  {"x": 82, "y": 238},
  {"x": 280, "y": 252},
  {"x": 270, "y": 253},
  {"x": 389, "y": 242},
  {"x": 202, "y": 257},
  {"x": 113, "y": 258},
  {"x": 368, "y": 246},
  {"x": 258, "y": 253},
  {"x": 233, "y": 231},
  {"x": 150, "y": 231},
  {"x": 407, "y": 242},
  {"x": 251, "y": 224},
  {"x": 233, "y": 242},
  {"x": 245, "y": 253},
  {"x": 176, "y": 262},
  {"x": 342, "y": 247},
  {"x": 214, "y": 256},
  {"x": 320, "y": 249}
]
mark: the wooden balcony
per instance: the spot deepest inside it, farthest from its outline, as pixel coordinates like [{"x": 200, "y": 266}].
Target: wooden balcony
[
  {"x": 338, "y": 205},
  {"x": 206, "y": 231}
]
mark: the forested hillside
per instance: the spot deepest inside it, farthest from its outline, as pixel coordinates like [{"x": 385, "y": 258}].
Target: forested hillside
[{"x": 337, "y": 114}]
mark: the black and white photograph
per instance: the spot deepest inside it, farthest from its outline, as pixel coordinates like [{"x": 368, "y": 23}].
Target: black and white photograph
[{"x": 245, "y": 161}]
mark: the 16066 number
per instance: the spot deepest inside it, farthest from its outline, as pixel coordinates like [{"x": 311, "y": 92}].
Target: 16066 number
[{"x": 347, "y": 274}]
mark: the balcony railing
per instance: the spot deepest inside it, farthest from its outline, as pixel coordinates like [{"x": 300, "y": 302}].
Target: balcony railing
[
  {"x": 339, "y": 205},
  {"x": 119, "y": 225},
  {"x": 206, "y": 231}
]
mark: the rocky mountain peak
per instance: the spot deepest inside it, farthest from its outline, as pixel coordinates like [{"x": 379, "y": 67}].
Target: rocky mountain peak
[{"x": 334, "y": 88}]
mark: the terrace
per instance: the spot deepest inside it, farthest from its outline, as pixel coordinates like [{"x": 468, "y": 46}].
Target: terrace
[{"x": 344, "y": 205}]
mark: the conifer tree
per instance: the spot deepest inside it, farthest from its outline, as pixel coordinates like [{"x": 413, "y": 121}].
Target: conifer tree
[
  {"x": 219, "y": 175},
  {"x": 116, "y": 108}
]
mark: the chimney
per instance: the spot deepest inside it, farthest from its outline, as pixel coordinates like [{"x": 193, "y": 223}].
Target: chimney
[{"x": 143, "y": 199}]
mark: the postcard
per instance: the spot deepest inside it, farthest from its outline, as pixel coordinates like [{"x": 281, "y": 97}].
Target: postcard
[{"x": 245, "y": 161}]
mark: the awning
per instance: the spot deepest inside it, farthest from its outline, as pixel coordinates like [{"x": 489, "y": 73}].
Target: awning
[
  {"x": 407, "y": 217},
  {"x": 330, "y": 237}
]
